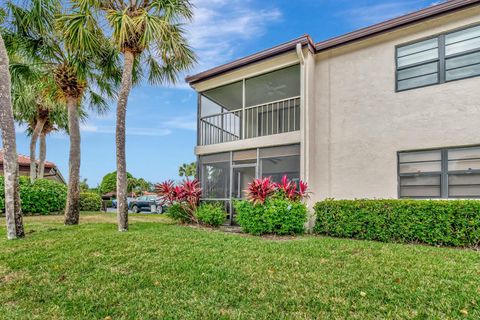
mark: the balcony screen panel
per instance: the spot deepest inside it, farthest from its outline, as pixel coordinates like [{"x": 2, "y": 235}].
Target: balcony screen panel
[
  {"x": 416, "y": 156},
  {"x": 216, "y": 180},
  {"x": 277, "y": 167},
  {"x": 282, "y": 151},
  {"x": 418, "y": 82},
  {"x": 413, "y": 72},
  {"x": 273, "y": 86},
  {"x": 214, "y": 158},
  {"x": 222, "y": 99},
  {"x": 245, "y": 155}
]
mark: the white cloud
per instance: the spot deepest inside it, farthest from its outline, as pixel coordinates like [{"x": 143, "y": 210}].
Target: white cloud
[
  {"x": 131, "y": 131},
  {"x": 371, "y": 14},
  {"x": 219, "y": 26},
  {"x": 186, "y": 122}
]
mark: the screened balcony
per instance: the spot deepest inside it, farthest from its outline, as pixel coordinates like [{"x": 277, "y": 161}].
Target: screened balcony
[{"x": 264, "y": 105}]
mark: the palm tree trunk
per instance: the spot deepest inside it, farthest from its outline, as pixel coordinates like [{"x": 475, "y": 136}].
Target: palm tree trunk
[
  {"x": 43, "y": 155},
  {"x": 33, "y": 146},
  {"x": 122, "y": 206},
  {"x": 72, "y": 210},
  {"x": 13, "y": 210}
]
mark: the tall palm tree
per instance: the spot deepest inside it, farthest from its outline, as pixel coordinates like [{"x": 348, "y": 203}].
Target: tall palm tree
[
  {"x": 82, "y": 63},
  {"x": 150, "y": 36},
  {"x": 13, "y": 211}
]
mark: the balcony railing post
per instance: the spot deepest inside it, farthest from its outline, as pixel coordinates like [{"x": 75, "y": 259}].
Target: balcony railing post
[{"x": 243, "y": 110}]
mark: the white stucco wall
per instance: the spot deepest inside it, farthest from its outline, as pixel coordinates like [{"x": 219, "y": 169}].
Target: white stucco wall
[{"x": 359, "y": 122}]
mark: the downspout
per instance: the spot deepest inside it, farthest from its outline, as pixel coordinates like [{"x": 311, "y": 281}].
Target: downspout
[
  {"x": 303, "y": 114},
  {"x": 304, "y": 129}
]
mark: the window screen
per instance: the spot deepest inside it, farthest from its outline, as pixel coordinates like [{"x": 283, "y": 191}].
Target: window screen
[
  {"x": 447, "y": 57},
  {"x": 442, "y": 173},
  {"x": 417, "y": 64}
]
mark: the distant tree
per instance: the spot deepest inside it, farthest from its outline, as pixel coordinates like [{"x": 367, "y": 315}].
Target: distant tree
[
  {"x": 188, "y": 170},
  {"x": 84, "y": 186},
  {"x": 109, "y": 182}
]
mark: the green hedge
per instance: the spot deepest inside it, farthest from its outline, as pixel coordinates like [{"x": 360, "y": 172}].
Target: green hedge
[
  {"x": 42, "y": 197},
  {"x": 90, "y": 201},
  {"x": 442, "y": 222},
  {"x": 211, "y": 214},
  {"x": 278, "y": 215}
]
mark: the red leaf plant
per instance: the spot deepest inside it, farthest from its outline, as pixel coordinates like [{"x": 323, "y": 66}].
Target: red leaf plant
[
  {"x": 259, "y": 189},
  {"x": 292, "y": 191},
  {"x": 187, "y": 194}
]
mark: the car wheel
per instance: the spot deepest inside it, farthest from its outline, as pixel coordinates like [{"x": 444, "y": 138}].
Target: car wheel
[
  {"x": 135, "y": 209},
  {"x": 159, "y": 209}
]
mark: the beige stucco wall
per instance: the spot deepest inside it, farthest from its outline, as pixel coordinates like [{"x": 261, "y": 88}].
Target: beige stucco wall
[{"x": 359, "y": 122}]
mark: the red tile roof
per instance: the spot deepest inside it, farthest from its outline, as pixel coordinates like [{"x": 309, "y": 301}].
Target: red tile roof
[{"x": 25, "y": 161}]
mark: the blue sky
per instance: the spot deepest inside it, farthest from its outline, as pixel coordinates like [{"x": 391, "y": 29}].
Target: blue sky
[{"x": 161, "y": 120}]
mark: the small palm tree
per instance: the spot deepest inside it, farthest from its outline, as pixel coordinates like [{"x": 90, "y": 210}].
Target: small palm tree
[
  {"x": 188, "y": 170},
  {"x": 36, "y": 101},
  {"x": 150, "y": 36},
  {"x": 83, "y": 65}
]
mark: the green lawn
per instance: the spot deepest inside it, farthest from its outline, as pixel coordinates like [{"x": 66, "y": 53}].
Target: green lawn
[{"x": 163, "y": 271}]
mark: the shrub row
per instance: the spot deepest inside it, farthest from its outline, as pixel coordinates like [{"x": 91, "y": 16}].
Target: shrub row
[
  {"x": 209, "y": 214},
  {"x": 90, "y": 201},
  {"x": 442, "y": 222},
  {"x": 277, "y": 215},
  {"x": 41, "y": 197}
]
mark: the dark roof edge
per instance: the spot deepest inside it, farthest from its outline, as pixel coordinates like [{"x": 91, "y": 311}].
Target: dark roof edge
[
  {"x": 304, "y": 40},
  {"x": 392, "y": 24}
]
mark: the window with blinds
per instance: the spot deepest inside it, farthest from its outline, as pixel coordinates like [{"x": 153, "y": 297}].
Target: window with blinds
[
  {"x": 441, "y": 173},
  {"x": 444, "y": 58}
]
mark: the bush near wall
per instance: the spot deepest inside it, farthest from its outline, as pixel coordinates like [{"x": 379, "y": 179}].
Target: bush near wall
[
  {"x": 41, "y": 197},
  {"x": 90, "y": 201},
  {"x": 277, "y": 215},
  {"x": 442, "y": 222},
  {"x": 211, "y": 214}
]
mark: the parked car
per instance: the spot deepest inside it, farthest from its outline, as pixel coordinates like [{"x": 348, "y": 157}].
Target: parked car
[
  {"x": 114, "y": 202},
  {"x": 145, "y": 203}
]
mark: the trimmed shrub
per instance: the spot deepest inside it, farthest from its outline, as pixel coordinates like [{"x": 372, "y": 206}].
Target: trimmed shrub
[
  {"x": 90, "y": 201},
  {"x": 42, "y": 197},
  {"x": 277, "y": 215},
  {"x": 434, "y": 222},
  {"x": 177, "y": 212},
  {"x": 211, "y": 214}
]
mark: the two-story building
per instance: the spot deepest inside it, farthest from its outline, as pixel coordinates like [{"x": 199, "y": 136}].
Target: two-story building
[{"x": 388, "y": 111}]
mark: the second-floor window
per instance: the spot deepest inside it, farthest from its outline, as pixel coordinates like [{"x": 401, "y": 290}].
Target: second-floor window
[{"x": 446, "y": 57}]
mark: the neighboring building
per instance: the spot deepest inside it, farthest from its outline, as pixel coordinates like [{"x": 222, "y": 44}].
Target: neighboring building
[
  {"x": 388, "y": 111},
  {"x": 51, "y": 170}
]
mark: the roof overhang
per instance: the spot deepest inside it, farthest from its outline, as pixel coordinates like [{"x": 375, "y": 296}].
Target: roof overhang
[{"x": 305, "y": 40}]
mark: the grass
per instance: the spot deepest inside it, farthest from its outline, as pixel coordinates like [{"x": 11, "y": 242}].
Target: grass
[{"x": 158, "y": 270}]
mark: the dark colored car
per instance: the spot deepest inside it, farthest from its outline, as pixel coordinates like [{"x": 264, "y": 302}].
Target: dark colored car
[{"x": 145, "y": 203}]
